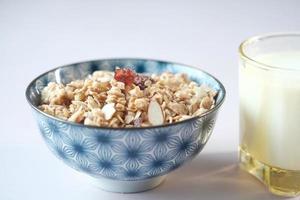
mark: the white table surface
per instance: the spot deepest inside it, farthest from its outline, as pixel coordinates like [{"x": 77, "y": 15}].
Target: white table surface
[{"x": 36, "y": 36}]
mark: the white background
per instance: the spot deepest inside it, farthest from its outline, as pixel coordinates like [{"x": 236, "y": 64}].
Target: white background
[{"x": 36, "y": 36}]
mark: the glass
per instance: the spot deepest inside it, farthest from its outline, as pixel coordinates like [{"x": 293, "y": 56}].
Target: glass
[{"x": 270, "y": 111}]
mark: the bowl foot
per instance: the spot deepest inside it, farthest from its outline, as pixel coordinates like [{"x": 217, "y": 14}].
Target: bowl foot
[{"x": 128, "y": 186}]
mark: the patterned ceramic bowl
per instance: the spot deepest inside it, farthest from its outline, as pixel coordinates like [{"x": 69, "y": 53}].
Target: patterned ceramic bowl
[{"x": 124, "y": 159}]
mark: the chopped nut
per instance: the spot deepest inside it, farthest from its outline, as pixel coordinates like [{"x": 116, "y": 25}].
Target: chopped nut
[
  {"x": 137, "y": 115},
  {"x": 108, "y": 110}
]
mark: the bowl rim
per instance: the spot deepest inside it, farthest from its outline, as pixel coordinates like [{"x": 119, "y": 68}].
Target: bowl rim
[{"x": 217, "y": 106}]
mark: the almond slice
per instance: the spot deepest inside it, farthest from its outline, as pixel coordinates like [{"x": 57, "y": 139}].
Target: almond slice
[
  {"x": 155, "y": 114},
  {"x": 137, "y": 115},
  {"x": 129, "y": 119},
  {"x": 108, "y": 110}
]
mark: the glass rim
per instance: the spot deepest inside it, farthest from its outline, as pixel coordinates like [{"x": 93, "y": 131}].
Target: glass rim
[{"x": 258, "y": 38}]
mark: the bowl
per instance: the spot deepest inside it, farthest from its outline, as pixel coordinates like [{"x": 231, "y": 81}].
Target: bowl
[{"x": 124, "y": 159}]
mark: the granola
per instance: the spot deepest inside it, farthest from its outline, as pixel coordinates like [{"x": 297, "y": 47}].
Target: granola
[{"x": 125, "y": 98}]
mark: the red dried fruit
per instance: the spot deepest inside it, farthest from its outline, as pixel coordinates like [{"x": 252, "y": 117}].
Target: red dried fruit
[{"x": 125, "y": 75}]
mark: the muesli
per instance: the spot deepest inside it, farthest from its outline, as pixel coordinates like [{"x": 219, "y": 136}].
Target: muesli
[{"x": 125, "y": 98}]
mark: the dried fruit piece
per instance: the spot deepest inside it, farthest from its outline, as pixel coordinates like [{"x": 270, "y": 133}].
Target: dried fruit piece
[
  {"x": 125, "y": 75},
  {"x": 137, "y": 122},
  {"x": 108, "y": 110},
  {"x": 155, "y": 114},
  {"x": 140, "y": 80}
]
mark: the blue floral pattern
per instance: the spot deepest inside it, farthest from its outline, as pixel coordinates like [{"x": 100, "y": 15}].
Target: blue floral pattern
[
  {"x": 106, "y": 140},
  {"x": 124, "y": 154},
  {"x": 133, "y": 151},
  {"x": 133, "y": 172},
  {"x": 158, "y": 139},
  {"x": 77, "y": 147},
  {"x": 183, "y": 145},
  {"x": 208, "y": 123},
  {"x": 54, "y": 130},
  {"x": 157, "y": 163},
  {"x": 106, "y": 164}
]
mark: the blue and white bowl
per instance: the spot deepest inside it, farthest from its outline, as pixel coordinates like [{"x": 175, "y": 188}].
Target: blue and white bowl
[{"x": 124, "y": 159}]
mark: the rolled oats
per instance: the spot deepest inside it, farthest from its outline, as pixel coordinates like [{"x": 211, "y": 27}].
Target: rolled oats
[
  {"x": 77, "y": 116},
  {"x": 127, "y": 99},
  {"x": 207, "y": 102}
]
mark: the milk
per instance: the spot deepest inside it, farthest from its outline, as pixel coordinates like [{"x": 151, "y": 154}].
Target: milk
[{"x": 270, "y": 110}]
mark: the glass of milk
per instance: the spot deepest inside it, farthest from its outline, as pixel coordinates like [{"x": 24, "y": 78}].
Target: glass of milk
[{"x": 270, "y": 111}]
